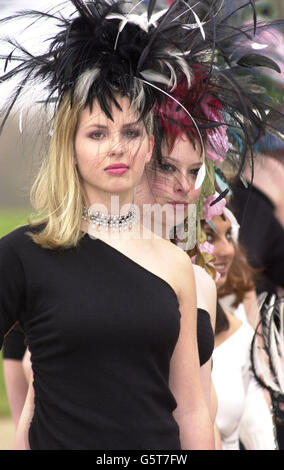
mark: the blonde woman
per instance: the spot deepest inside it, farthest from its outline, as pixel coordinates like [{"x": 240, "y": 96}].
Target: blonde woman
[
  {"x": 109, "y": 298},
  {"x": 102, "y": 301}
]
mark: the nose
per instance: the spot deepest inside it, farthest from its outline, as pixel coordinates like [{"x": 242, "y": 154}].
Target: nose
[
  {"x": 182, "y": 184},
  {"x": 224, "y": 249},
  {"x": 116, "y": 146}
]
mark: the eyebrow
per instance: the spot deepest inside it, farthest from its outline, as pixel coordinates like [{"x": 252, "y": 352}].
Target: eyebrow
[
  {"x": 102, "y": 126},
  {"x": 175, "y": 161},
  {"x": 207, "y": 227}
]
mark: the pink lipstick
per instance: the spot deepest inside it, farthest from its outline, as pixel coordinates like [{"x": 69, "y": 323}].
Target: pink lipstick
[{"x": 117, "y": 169}]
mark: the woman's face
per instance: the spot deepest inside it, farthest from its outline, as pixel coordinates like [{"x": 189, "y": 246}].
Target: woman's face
[
  {"x": 224, "y": 250},
  {"x": 174, "y": 180},
  {"x": 111, "y": 154}
]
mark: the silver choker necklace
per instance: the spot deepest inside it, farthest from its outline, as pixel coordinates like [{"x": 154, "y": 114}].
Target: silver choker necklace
[{"x": 116, "y": 223}]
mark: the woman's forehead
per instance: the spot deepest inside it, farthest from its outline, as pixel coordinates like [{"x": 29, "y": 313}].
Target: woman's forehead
[
  {"x": 221, "y": 222},
  {"x": 183, "y": 152},
  {"x": 123, "y": 113}
]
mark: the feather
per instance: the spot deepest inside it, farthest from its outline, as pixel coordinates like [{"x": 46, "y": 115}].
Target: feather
[
  {"x": 257, "y": 46},
  {"x": 9, "y": 59},
  {"x": 83, "y": 8},
  {"x": 220, "y": 197},
  {"x": 186, "y": 70},
  {"x": 200, "y": 176},
  {"x": 151, "y": 6},
  {"x": 267, "y": 349},
  {"x": 104, "y": 46},
  {"x": 21, "y": 122},
  {"x": 257, "y": 60},
  {"x": 84, "y": 83},
  {"x": 153, "y": 76},
  {"x": 198, "y": 23},
  {"x": 172, "y": 98},
  {"x": 173, "y": 77}
]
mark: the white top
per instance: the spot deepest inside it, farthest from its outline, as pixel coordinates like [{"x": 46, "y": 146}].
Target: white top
[
  {"x": 239, "y": 312},
  {"x": 239, "y": 395}
]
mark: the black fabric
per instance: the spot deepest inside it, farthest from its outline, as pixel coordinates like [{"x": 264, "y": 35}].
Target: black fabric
[
  {"x": 15, "y": 346},
  {"x": 101, "y": 330},
  {"x": 261, "y": 235},
  {"x": 280, "y": 435},
  {"x": 205, "y": 336}
]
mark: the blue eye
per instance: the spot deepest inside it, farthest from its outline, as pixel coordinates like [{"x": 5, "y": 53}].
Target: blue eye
[
  {"x": 132, "y": 133},
  {"x": 167, "y": 167},
  {"x": 97, "y": 135},
  {"x": 194, "y": 172}
]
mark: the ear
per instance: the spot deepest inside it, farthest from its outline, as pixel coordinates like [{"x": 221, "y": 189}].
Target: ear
[{"x": 151, "y": 142}]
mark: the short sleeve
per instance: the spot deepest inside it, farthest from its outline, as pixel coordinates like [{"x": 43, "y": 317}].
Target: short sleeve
[
  {"x": 15, "y": 344},
  {"x": 12, "y": 287}
]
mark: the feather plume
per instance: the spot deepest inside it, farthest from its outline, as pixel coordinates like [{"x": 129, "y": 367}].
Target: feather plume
[
  {"x": 100, "y": 49},
  {"x": 106, "y": 46},
  {"x": 267, "y": 348}
]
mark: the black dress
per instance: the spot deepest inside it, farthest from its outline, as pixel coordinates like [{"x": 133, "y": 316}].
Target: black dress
[
  {"x": 261, "y": 235},
  {"x": 15, "y": 343},
  {"x": 205, "y": 336},
  {"x": 101, "y": 330}
]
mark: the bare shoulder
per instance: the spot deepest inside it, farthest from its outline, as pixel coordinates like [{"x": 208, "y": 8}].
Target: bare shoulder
[
  {"x": 206, "y": 292},
  {"x": 234, "y": 322},
  {"x": 203, "y": 279},
  {"x": 173, "y": 253},
  {"x": 177, "y": 263},
  {"x": 165, "y": 249}
]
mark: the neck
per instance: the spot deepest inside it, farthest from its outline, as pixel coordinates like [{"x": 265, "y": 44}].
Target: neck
[{"x": 109, "y": 203}]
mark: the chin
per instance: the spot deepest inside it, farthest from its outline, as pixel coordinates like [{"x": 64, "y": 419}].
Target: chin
[
  {"x": 221, "y": 281},
  {"x": 117, "y": 186}
]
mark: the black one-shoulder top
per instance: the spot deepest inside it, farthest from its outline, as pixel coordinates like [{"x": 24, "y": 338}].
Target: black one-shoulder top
[{"x": 101, "y": 330}]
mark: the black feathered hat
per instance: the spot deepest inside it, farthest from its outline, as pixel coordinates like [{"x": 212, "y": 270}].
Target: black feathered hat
[
  {"x": 102, "y": 48},
  {"x": 107, "y": 46}
]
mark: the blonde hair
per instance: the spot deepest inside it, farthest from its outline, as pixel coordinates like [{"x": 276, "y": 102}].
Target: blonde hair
[{"x": 57, "y": 194}]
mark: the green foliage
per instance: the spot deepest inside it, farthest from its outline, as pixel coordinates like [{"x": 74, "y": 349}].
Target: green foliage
[{"x": 11, "y": 219}]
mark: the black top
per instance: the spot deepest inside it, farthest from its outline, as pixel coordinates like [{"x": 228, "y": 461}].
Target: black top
[
  {"x": 15, "y": 343},
  {"x": 205, "y": 336},
  {"x": 101, "y": 330},
  {"x": 261, "y": 234}
]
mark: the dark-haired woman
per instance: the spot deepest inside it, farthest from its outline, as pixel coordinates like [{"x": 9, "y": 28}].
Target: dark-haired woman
[{"x": 242, "y": 409}]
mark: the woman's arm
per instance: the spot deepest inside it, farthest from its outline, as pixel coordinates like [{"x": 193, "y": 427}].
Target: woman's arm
[
  {"x": 22, "y": 441},
  {"x": 22, "y": 432},
  {"x": 206, "y": 382},
  {"x": 251, "y": 308},
  {"x": 192, "y": 413},
  {"x": 16, "y": 387},
  {"x": 16, "y": 383},
  {"x": 218, "y": 441},
  {"x": 206, "y": 294}
]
